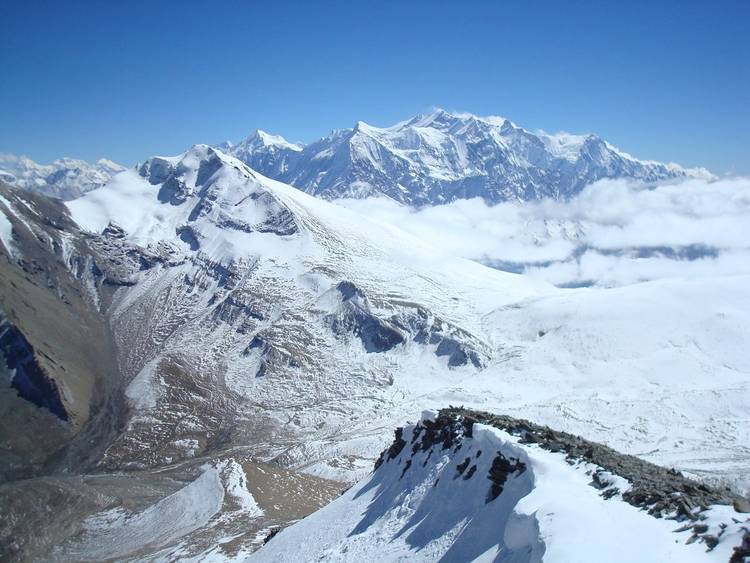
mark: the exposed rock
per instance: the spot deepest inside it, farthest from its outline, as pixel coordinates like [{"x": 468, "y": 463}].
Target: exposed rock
[
  {"x": 741, "y": 553},
  {"x": 441, "y": 157},
  {"x": 30, "y": 379},
  {"x": 271, "y": 535},
  {"x": 356, "y": 318},
  {"x": 394, "y": 449},
  {"x": 501, "y": 469}
]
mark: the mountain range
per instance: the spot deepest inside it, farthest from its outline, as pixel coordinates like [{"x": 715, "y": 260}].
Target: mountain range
[
  {"x": 198, "y": 355},
  {"x": 427, "y": 160},
  {"x": 440, "y": 157}
]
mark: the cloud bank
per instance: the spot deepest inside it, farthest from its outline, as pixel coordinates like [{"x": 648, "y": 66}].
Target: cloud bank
[{"x": 614, "y": 232}]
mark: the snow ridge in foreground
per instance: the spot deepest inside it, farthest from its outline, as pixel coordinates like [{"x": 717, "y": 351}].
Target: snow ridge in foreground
[{"x": 485, "y": 495}]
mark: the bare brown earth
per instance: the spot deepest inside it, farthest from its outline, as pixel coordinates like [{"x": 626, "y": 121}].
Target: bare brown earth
[{"x": 289, "y": 494}]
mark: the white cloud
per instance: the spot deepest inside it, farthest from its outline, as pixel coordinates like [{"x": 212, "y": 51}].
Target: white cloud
[{"x": 614, "y": 232}]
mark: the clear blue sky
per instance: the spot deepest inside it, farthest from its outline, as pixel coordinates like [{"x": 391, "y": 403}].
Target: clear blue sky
[{"x": 661, "y": 79}]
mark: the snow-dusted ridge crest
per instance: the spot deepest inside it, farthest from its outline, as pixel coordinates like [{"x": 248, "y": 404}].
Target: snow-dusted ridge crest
[
  {"x": 442, "y": 156},
  {"x": 464, "y": 485}
]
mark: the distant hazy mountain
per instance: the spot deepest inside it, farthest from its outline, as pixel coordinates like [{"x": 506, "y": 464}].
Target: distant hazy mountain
[
  {"x": 441, "y": 157},
  {"x": 65, "y": 178}
]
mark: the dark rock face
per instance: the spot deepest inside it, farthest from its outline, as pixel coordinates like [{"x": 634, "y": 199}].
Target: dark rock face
[
  {"x": 461, "y": 467},
  {"x": 188, "y": 236},
  {"x": 410, "y": 323},
  {"x": 280, "y": 221},
  {"x": 501, "y": 469},
  {"x": 348, "y": 290},
  {"x": 375, "y": 334},
  {"x": 156, "y": 170},
  {"x": 741, "y": 553},
  {"x": 457, "y": 354},
  {"x": 394, "y": 450},
  {"x": 355, "y": 318},
  {"x": 271, "y": 535},
  {"x": 271, "y": 356},
  {"x": 30, "y": 379},
  {"x": 114, "y": 261},
  {"x": 457, "y": 345}
]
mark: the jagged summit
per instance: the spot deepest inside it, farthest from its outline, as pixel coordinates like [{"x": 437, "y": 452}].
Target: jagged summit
[
  {"x": 440, "y": 118},
  {"x": 260, "y": 137},
  {"x": 204, "y": 198},
  {"x": 272, "y": 155},
  {"x": 442, "y": 156}
]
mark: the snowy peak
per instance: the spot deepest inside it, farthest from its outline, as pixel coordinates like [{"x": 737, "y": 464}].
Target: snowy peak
[
  {"x": 65, "y": 178},
  {"x": 262, "y": 138},
  {"x": 429, "y": 159},
  {"x": 442, "y": 156},
  {"x": 271, "y": 154},
  {"x": 201, "y": 201},
  {"x": 259, "y": 140}
]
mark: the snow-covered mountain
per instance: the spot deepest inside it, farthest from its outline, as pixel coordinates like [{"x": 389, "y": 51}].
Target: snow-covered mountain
[
  {"x": 65, "y": 178},
  {"x": 271, "y": 154},
  {"x": 441, "y": 157},
  {"x": 196, "y": 321}
]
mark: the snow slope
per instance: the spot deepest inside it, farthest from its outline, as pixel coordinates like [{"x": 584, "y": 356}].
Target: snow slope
[
  {"x": 441, "y": 157},
  {"x": 491, "y": 497}
]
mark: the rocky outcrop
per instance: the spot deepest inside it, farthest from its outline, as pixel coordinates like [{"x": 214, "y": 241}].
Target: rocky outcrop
[
  {"x": 356, "y": 316},
  {"x": 61, "y": 401},
  {"x": 29, "y": 378}
]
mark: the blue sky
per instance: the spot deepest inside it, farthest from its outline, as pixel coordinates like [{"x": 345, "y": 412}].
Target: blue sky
[{"x": 125, "y": 80}]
